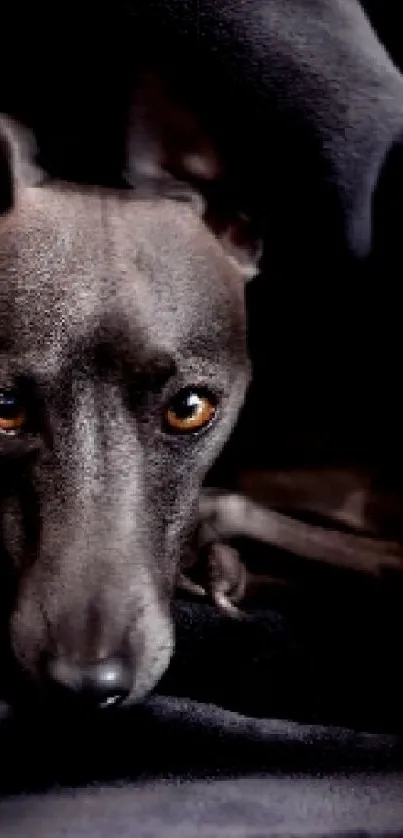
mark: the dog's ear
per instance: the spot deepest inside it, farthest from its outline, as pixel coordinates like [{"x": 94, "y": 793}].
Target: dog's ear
[
  {"x": 238, "y": 236},
  {"x": 171, "y": 154},
  {"x": 18, "y": 167}
]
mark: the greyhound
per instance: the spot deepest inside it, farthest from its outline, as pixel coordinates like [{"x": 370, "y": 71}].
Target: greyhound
[
  {"x": 123, "y": 367},
  {"x": 321, "y": 106}
]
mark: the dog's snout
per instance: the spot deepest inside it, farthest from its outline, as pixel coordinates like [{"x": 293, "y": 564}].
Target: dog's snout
[{"x": 100, "y": 684}]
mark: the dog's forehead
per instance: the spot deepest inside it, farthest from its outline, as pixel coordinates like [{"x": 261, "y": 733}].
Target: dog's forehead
[{"x": 71, "y": 260}]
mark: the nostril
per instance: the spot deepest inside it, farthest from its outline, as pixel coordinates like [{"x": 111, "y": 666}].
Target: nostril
[{"x": 103, "y": 683}]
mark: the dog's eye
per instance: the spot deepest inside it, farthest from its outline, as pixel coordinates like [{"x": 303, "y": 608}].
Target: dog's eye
[
  {"x": 190, "y": 411},
  {"x": 12, "y": 414}
]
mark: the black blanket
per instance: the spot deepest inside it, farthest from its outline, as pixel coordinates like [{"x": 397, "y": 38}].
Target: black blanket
[{"x": 185, "y": 764}]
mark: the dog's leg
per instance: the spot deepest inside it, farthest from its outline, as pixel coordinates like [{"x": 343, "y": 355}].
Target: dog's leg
[
  {"x": 230, "y": 582},
  {"x": 225, "y": 516},
  {"x": 167, "y": 149},
  {"x": 223, "y": 575},
  {"x": 225, "y": 578}
]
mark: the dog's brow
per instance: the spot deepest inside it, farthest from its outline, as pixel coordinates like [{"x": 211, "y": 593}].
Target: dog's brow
[{"x": 155, "y": 369}]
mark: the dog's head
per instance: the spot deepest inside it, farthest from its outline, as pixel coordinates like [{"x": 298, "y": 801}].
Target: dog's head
[{"x": 122, "y": 368}]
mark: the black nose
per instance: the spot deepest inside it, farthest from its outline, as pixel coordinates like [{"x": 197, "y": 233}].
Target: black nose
[{"x": 104, "y": 683}]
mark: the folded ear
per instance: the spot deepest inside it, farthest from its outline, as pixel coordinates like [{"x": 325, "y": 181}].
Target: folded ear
[
  {"x": 171, "y": 154},
  {"x": 18, "y": 166},
  {"x": 239, "y": 237}
]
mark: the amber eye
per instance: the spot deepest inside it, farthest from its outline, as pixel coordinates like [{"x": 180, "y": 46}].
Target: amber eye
[
  {"x": 190, "y": 411},
  {"x": 12, "y": 414}
]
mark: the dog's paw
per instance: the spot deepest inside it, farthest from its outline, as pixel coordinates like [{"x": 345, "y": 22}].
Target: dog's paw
[
  {"x": 227, "y": 578},
  {"x": 221, "y": 564},
  {"x": 211, "y": 568}
]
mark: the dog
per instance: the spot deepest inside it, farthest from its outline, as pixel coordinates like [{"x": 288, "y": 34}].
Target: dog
[
  {"x": 123, "y": 367},
  {"x": 299, "y": 107}
]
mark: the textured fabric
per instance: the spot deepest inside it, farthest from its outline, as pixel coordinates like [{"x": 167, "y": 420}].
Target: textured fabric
[
  {"x": 183, "y": 767},
  {"x": 270, "y": 807}
]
